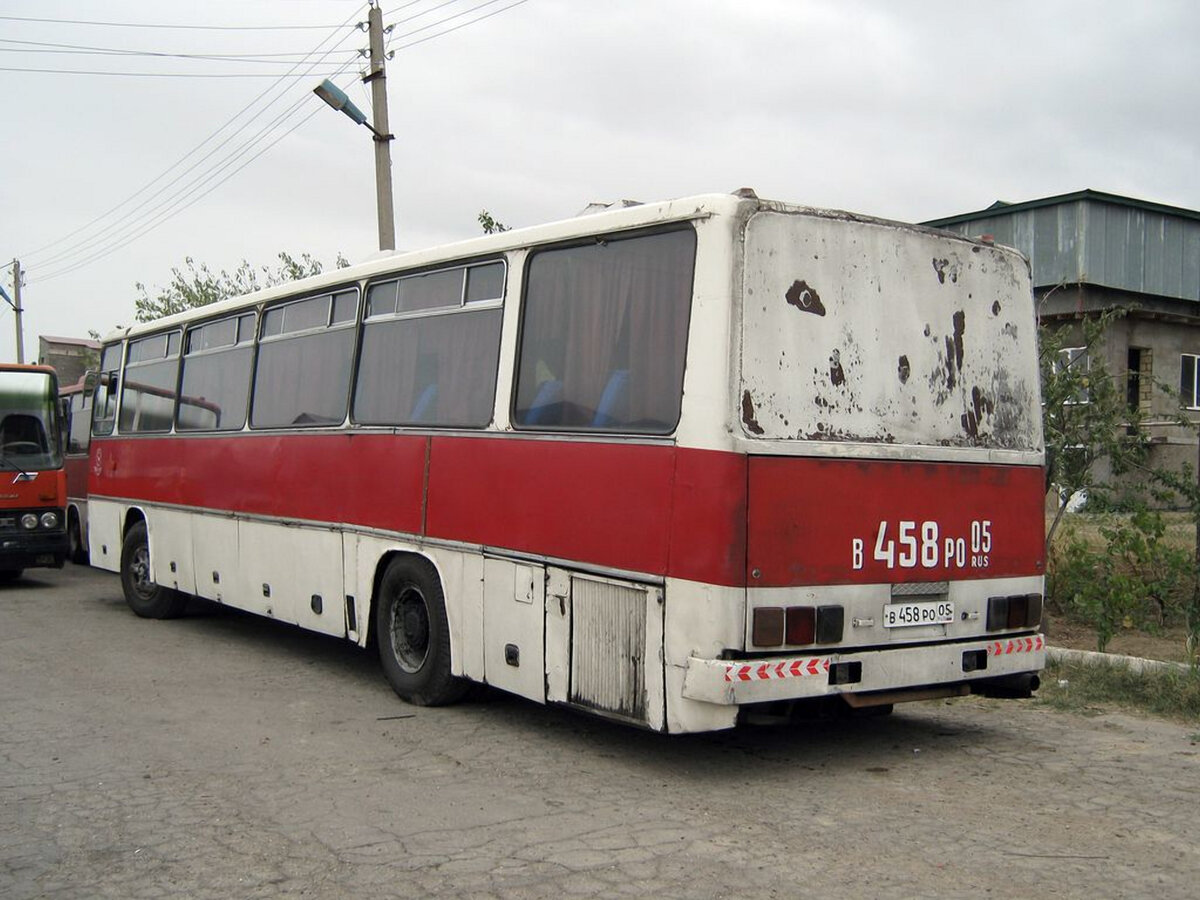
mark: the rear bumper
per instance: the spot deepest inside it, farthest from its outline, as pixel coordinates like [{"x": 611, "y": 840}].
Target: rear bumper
[{"x": 736, "y": 682}]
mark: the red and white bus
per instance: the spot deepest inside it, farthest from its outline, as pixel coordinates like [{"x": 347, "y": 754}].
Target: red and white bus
[
  {"x": 77, "y": 419},
  {"x": 33, "y": 496},
  {"x": 665, "y": 463}
]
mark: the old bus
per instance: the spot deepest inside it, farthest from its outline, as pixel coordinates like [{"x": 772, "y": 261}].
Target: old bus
[
  {"x": 76, "y": 402},
  {"x": 666, "y": 463},
  {"x": 33, "y": 497}
]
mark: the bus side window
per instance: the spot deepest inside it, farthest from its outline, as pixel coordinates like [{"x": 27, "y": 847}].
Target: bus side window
[
  {"x": 78, "y": 423},
  {"x": 604, "y": 334},
  {"x": 104, "y": 403},
  {"x": 106, "y": 390}
]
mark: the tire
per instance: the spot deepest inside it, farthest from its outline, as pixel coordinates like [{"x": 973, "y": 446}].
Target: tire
[
  {"x": 77, "y": 552},
  {"x": 9, "y": 575},
  {"x": 147, "y": 599},
  {"x": 413, "y": 635}
]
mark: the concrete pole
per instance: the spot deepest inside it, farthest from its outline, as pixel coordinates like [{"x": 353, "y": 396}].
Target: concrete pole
[
  {"x": 382, "y": 135},
  {"x": 17, "y": 311}
]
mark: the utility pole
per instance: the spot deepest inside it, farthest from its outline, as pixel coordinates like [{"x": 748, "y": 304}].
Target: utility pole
[
  {"x": 377, "y": 78},
  {"x": 17, "y": 310}
]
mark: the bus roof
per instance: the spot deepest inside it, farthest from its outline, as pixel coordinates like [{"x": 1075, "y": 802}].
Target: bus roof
[
  {"x": 28, "y": 367},
  {"x": 619, "y": 218}
]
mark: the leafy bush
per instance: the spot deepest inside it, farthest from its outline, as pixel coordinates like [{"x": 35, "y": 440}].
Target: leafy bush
[{"x": 1129, "y": 575}]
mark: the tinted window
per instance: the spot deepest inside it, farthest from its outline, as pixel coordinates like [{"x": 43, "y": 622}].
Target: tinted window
[
  {"x": 304, "y": 379},
  {"x": 215, "y": 387},
  {"x": 604, "y": 335},
  {"x": 434, "y": 370},
  {"x": 485, "y": 282},
  {"x": 431, "y": 290},
  {"x": 148, "y": 388},
  {"x": 104, "y": 404},
  {"x": 426, "y": 359},
  {"x": 78, "y": 433}
]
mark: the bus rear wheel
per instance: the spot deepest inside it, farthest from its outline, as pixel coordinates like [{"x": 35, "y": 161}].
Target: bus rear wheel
[
  {"x": 147, "y": 599},
  {"x": 413, "y": 634},
  {"x": 76, "y": 550}
]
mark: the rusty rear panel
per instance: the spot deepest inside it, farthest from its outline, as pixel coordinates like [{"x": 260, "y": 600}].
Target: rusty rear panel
[{"x": 859, "y": 331}]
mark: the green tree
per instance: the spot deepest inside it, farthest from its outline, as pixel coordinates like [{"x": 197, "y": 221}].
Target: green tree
[
  {"x": 1086, "y": 416},
  {"x": 196, "y": 285},
  {"x": 489, "y": 224}
]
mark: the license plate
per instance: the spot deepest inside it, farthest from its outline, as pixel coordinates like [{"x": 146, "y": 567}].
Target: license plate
[{"x": 933, "y": 612}]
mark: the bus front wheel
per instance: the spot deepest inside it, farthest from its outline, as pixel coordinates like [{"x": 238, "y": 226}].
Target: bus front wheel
[
  {"x": 147, "y": 599},
  {"x": 414, "y": 636}
]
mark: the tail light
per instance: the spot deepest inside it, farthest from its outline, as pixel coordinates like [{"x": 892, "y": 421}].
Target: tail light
[
  {"x": 773, "y": 626},
  {"x": 1016, "y": 611}
]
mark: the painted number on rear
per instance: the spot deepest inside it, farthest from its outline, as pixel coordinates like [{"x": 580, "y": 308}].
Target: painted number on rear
[{"x": 925, "y": 545}]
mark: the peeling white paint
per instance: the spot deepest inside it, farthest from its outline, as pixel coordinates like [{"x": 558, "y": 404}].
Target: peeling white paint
[{"x": 867, "y": 331}]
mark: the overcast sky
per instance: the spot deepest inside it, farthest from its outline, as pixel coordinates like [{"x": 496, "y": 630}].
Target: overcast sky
[{"x": 906, "y": 110}]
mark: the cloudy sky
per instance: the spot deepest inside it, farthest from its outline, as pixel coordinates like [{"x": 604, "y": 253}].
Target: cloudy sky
[{"x": 533, "y": 108}]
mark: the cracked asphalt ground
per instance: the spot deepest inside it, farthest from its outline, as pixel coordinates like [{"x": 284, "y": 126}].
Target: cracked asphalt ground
[{"x": 226, "y": 756}]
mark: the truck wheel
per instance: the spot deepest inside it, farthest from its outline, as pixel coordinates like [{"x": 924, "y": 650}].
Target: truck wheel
[
  {"x": 413, "y": 634},
  {"x": 147, "y": 599}
]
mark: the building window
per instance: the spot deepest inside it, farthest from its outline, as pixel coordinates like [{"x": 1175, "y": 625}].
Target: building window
[
  {"x": 1139, "y": 379},
  {"x": 1074, "y": 362},
  {"x": 1189, "y": 391}
]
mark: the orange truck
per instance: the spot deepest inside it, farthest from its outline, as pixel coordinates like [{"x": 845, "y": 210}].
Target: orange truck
[{"x": 33, "y": 485}]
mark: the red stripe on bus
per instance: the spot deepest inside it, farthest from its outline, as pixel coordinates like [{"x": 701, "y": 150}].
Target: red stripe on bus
[
  {"x": 707, "y": 516},
  {"x": 657, "y": 510},
  {"x": 820, "y": 521}
]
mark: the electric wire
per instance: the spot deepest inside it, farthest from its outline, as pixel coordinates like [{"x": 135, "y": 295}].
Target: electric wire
[
  {"x": 86, "y": 244},
  {"x": 151, "y": 214},
  {"x": 126, "y": 231},
  {"x": 167, "y": 26}
]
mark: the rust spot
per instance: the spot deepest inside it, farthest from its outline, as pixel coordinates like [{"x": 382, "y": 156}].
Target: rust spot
[
  {"x": 836, "y": 375},
  {"x": 982, "y": 405},
  {"x": 960, "y": 326},
  {"x": 904, "y": 370},
  {"x": 748, "y": 414},
  {"x": 805, "y": 298},
  {"x": 944, "y": 268}
]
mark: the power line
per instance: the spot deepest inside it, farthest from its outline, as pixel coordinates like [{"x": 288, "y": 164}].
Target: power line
[
  {"x": 245, "y": 125},
  {"x": 139, "y": 220},
  {"x": 462, "y": 25},
  {"x": 86, "y": 50},
  {"x": 177, "y": 27},
  {"x": 161, "y": 74}
]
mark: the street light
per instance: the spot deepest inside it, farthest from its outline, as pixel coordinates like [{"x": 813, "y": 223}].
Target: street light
[{"x": 336, "y": 98}]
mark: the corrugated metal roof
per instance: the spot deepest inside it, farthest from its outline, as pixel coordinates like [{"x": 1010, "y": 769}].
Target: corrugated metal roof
[{"x": 1089, "y": 237}]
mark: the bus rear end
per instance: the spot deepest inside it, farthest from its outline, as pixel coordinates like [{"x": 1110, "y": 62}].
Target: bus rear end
[
  {"x": 889, "y": 410},
  {"x": 32, "y": 480}
]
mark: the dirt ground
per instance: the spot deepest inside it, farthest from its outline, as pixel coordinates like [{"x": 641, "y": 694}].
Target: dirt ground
[
  {"x": 222, "y": 755},
  {"x": 1167, "y": 645}
]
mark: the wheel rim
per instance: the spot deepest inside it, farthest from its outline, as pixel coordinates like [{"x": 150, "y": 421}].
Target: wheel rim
[
  {"x": 139, "y": 573},
  {"x": 410, "y": 630}
]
